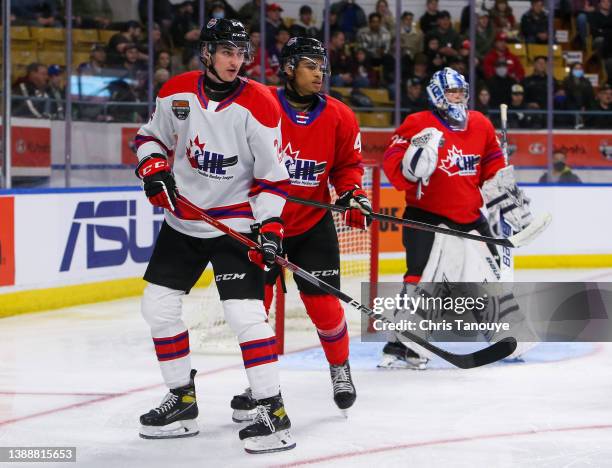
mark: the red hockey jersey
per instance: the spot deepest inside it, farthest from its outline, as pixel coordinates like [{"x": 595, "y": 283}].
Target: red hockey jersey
[
  {"x": 320, "y": 146},
  {"x": 465, "y": 160}
]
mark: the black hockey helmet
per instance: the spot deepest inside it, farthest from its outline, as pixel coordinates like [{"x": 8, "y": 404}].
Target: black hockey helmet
[
  {"x": 225, "y": 31},
  {"x": 299, "y": 48}
]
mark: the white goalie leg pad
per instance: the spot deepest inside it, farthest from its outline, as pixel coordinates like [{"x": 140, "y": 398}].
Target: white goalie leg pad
[
  {"x": 175, "y": 430},
  {"x": 248, "y": 320},
  {"x": 275, "y": 442},
  {"x": 161, "y": 308}
]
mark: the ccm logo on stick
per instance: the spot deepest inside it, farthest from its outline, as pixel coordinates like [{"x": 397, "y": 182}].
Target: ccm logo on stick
[
  {"x": 230, "y": 276},
  {"x": 324, "y": 273}
]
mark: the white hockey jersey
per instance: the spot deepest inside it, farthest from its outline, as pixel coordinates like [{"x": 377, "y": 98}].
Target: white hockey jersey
[{"x": 227, "y": 155}]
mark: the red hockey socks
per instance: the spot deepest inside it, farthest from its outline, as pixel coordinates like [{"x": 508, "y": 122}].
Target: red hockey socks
[{"x": 327, "y": 315}]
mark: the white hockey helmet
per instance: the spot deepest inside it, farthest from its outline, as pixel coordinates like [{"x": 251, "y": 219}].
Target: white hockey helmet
[{"x": 454, "y": 113}]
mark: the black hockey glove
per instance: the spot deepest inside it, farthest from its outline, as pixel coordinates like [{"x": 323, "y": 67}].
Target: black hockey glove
[
  {"x": 359, "y": 208},
  {"x": 271, "y": 240},
  {"x": 159, "y": 184}
]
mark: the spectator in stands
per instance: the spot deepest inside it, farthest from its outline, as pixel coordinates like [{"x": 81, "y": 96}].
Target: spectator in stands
[
  {"x": 485, "y": 35},
  {"x": 304, "y": 26},
  {"x": 160, "y": 76},
  {"x": 57, "y": 91},
  {"x": 30, "y": 98},
  {"x": 386, "y": 17},
  {"x": 503, "y": 19},
  {"x": 185, "y": 30},
  {"x": 374, "y": 38},
  {"x": 534, "y": 24},
  {"x": 603, "y": 103},
  {"x": 36, "y": 12},
  {"x": 122, "y": 92},
  {"x": 363, "y": 74},
  {"x": 413, "y": 97},
  {"x": 516, "y": 117},
  {"x": 97, "y": 62},
  {"x": 578, "y": 90},
  {"x": 339, "y": 60},
  {"x": 163, "y": 13},
  {"x": 411, "y": 39},
  {"x": 333, "y": 25},
  {"x": 500, "y": 51},
  {"x": 350, "y": 17},
  {"x": 281, "y": 38},
  {"x": 500, "y": 85},
  {"x": 483, "y": 98},
  {"x": 429, "y": 20},
  {"x": 535, "y": 84},
  {"x": 601, "y": 29},
  {"x": 92, "y": 14},
  {"x": 582, "y": 10},
  {"x": 132, "y": 68},
  {"x": 435, "y": 60},
  {"x": 459, "y": 65},
  {"x": 253, "y": 69},
  {"x": 561, "y": 172},
  {"x": 128, "y": 34},
  {"x": 163, "y": 61},
  {"x": 420, "y": 68},
  {"x": 217, "y": 10},
  {"x": 161, "y": 40},
  {"x": 249, "y": 13},
  {"x": 450, "y": 41},
  {"x": 274, "y": 23}
]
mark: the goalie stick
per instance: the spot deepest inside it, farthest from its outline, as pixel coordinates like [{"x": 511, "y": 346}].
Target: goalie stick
[
  {"x": 495, "y": 352},
  {"x": 505, "y": 229},
  {"x": 537, "y": 226}
]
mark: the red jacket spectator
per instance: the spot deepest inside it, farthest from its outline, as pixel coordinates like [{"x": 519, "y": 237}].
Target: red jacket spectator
[{"x": 500, "y": 51}]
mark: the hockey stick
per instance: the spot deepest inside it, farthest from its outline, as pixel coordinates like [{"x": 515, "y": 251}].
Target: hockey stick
[
  {"x": 495, "y": 352},
  {"x": 520, "y": 239},
  {"x": 505, "y": 229}
]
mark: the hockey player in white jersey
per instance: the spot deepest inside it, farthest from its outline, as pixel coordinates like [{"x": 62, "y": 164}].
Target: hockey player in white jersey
[{"x": 223, "y": 134}]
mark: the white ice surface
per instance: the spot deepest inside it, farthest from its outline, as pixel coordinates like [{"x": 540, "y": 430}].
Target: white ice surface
[{"x": 82, "y": 376}]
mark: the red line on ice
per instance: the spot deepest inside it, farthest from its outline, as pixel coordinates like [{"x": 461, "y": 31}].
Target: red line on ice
[{"x": 427, "y": 443}]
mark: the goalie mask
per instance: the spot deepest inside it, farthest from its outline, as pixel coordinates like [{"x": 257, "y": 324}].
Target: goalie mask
[
  {"x": 224, "y": 33},
  {"x": 448, "y": 93}
]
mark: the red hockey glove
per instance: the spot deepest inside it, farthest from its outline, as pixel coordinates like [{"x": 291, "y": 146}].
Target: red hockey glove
[
  {"x": 159, "y": 185},
  {"x": 359, "y": 208},
  {"x": 271, "y": 240}
]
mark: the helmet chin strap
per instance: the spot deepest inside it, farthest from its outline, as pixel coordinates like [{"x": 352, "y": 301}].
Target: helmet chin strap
[
  {"x": 294, "y": 96},
  {"x": 211, "y": 68}
]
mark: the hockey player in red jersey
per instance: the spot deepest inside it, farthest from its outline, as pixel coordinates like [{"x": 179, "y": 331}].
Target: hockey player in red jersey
[
  {"x": 224, "y": 133},
  {"x": 321, "y": 145},
  {"x": 442, "y": 159}
]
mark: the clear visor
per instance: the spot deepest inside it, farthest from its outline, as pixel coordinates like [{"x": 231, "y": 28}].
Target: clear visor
[
  {"x": 240, "y": 49},
  {"x": 315, "y": 63}
]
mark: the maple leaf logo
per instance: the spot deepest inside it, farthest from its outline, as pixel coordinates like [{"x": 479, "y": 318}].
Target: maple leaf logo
[
  {"x": 458, "y": 163},
  {"x": 197, "y": 153}
]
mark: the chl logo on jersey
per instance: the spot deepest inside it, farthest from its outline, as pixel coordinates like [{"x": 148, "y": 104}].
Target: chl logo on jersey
[
  {"x": 304, "y": 172},
  {"x": 457, "y": 163},
  {"x": 207, "y": 163}
]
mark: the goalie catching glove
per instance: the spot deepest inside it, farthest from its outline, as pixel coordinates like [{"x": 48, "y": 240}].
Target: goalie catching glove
[
  {"x": 359, "y": 208},
  {"x": 271, "y": 240},
  {"x": 421, "y": 157},
  {"x": 159, "y": 185},
  {"x": 504, "y": 199}
]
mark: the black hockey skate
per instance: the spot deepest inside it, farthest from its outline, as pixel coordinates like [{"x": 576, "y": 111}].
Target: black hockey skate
[
  {"x": 175, "y": 416},
  {"x": 344, "y": 390},
  {"x": 244, "y": 406},
  {"x": 396, "y": 355},
  {"x": 269, "y": 431}
]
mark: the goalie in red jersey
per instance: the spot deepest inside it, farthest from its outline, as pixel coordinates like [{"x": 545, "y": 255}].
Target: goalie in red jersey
[
  {"x": 322, "y": 145},
  {"x": 442, "y": 159}
]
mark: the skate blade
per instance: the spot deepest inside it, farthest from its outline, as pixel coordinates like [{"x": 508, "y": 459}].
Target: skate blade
[
  {"x": 276, "y": 442},
  {"x": 176, "y": 430},
  {"x": 344, "y": 412},
  {"x": 389, "y": 361},
  {"x": 242, "y": 416}
]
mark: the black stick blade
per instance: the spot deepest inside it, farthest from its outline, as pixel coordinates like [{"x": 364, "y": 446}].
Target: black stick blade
[{"x": 496, "y": 352}]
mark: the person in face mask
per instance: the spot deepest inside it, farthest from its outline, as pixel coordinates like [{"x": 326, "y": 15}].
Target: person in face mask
[
  {"x": 500, "y": 85},
  {"x": 578, "y": 90},
  {"x": 217, "y": 10},
  {"x": 561, "y": 172}
]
